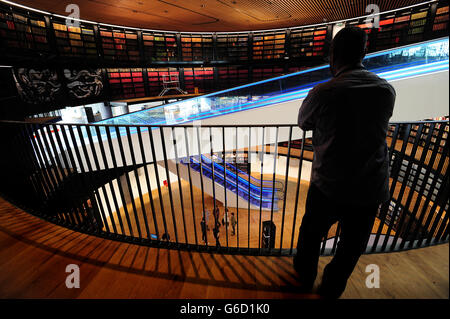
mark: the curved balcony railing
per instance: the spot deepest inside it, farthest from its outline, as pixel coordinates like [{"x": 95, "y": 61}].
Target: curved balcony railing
[{"x": 131, "y": 186}]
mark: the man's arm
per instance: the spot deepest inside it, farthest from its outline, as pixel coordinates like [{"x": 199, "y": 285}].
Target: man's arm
[{"x": 307, "y": 115}]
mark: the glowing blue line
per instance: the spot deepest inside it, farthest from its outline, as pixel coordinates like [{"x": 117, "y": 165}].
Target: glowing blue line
[
  {"x": 238, "y": 177},
  {"x": 253, "y": 195},
  {"x": 421, "y": 67}
]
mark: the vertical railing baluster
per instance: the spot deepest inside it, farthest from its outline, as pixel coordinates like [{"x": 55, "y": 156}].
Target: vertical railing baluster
[
  {"x": 71, "y": 152},
  {"x": 26, "y": 149},
  {"x": 111, "y": 187},
  {"x": 62, "y": 178},
  {"x": 273, "y": 182},
  {"x": 428, "y": 201},
  {"x": 444, "y": 206},
  {"x": 237, "y": 190},
  {"x": 138, "y": 182},
  {"x": 119, "y": 183},
  {"x": 403, "y": 187},
  {"x": 213, "y": 177},
  {"x": 188, "y": 156},
  {"x": 201, "y": 181},
  {"x": 37, "y": 161},
  {"x": 336, "y": 239},
  {"x": 261, "y": 189},
  {"x": 169, "y": 183},
  {"x": 385, "y": 207},
  {"x": 286, "y": 181},
  {"x": 102, "y": 187},
  {"x": 429, "y": 169},
  {"x": 249, "y": 152},
  {"x": 438, "y": 218},
  {"x": 225, "y": 181},
  {"x": 294, "y": 220},
  {"x": 55, "y": 163},
  {"x": 158, "y": 184},
  {"x": 128, "y": 182},
  {"x": 396, "y": 170},
  {"x": 99, "y": 158},
  {"x": 180, "y": 187},
  {"x": 147, "y": 180},
  {"x": 88, "y": 174},
  {"x": 38, "y": 129},
  {"x": 82, "y": 168}
]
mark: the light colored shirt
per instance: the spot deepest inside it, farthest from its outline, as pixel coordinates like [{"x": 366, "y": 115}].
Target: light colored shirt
[{"x": 349, "y": 116}]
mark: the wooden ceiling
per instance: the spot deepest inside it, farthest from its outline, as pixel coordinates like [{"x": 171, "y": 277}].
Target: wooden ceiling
[{"x": 215, "y": 15}]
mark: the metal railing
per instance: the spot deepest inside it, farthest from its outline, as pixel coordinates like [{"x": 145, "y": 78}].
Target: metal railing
[{"x": 135, "y": 183}]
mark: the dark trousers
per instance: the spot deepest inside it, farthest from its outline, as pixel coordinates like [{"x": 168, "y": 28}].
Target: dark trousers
[{"x": 321, "y": 213}]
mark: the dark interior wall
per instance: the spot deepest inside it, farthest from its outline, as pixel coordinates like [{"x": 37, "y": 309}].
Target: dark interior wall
[{"x": 11, "y": 106}]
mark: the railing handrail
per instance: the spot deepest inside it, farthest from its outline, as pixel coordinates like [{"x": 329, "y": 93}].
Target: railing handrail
[
  {"x": 40, "y": 161},
  {"x": 187, "y": 125}
]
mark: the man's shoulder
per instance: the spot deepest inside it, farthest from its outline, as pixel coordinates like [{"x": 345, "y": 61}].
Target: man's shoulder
[
  {"x": 366, "y": 78},
  {"x": 379, "y": 80},
  {"x": 324, "y": 87}
]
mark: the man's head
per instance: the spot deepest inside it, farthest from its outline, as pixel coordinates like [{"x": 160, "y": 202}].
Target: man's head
[{"x": 347, "y": 48}]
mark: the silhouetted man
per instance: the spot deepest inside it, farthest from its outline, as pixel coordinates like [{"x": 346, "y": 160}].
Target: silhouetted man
[{"x": 349, "y": 116}]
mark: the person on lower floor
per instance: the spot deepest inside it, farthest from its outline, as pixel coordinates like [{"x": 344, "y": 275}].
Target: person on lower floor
[
  {"x": 349, "y": 117},
  {"x": 216, "y": 234},
  {"x": 207, "y": 213},
  {"x": 216, "y": 215},
  {"x": 233, "y": 224},
  {"x": 226, "y": 218},
  {"x": 165, "y": 237}
]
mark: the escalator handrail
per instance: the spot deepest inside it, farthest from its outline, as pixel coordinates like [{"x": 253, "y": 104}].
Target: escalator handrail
[
  {"x": 239, "y": 178},
  {"x": 242, "y": 188}
]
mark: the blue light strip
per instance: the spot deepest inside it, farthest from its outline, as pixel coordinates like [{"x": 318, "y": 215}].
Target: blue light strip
[
  {"x": 391, "y": 73},
  {"x": 233, "y": 175}
]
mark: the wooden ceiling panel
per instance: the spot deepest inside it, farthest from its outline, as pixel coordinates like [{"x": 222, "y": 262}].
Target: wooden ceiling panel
[{"x": 216, "y": 15}]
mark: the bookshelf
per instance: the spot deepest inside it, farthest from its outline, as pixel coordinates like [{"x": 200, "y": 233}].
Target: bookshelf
[
  {"x": 160, "y": 46},
  {"x": 126, "y": 82},
  {"x": 266, "y": 72},
  {"x": 269, "y": 45},
  {"x": 119, "y": 45},
  {"x": 232, "y": 47},
  {"x": 20, "y": 31},
  {"x": 197, "y": 47},
  {"x": 75, "y": 41},
  {"x": 155, "y": 78},
  {"x": 201, "y": 78},
  {"x": 308, "y": 42},
  {"x": 231, "y": 76},
  {"x": 440, "y": 23}
]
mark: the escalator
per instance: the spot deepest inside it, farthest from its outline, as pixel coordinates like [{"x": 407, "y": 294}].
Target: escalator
[{"x": 246, "y": 187}]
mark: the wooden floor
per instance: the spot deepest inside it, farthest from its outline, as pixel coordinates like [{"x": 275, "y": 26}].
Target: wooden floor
[{"x": 35, "y": 253}]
